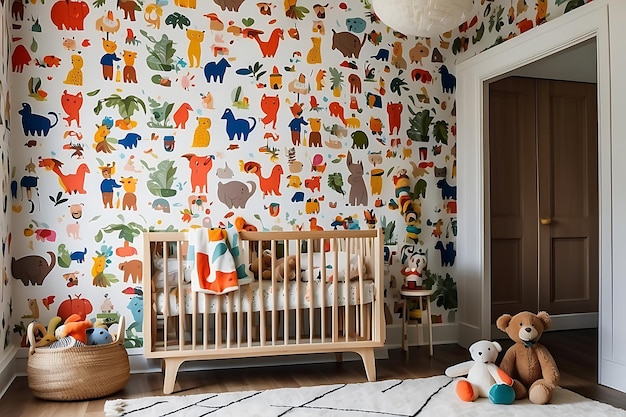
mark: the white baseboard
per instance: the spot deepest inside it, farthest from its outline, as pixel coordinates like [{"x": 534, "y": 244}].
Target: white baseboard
[{"x": 7, "y": 369}]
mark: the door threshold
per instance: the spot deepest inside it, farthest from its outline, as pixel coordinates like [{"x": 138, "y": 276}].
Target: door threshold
[{"x": 573, "y": 321}]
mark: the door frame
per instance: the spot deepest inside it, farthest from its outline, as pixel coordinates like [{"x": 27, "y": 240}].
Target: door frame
[{"x": 473, "y": 242}]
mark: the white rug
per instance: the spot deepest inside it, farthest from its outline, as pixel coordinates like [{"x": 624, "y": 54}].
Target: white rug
[{"x": 424, "y": 397}]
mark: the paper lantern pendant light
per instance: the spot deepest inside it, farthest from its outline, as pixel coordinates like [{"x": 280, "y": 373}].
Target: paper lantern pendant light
[{"x": 422, "y": 17}]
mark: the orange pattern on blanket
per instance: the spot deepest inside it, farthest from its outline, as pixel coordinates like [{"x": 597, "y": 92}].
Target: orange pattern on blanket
[{"x": 223, "y": 280}]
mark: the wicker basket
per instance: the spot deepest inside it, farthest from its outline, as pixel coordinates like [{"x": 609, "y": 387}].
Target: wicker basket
[{"x": 78, "y": 373}]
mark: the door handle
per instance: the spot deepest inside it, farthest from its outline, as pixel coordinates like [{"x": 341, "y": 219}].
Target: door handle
[{"x": 545, "y": 221}]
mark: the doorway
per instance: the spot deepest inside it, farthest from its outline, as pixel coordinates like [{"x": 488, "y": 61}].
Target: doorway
[
  {"x": 473, "y": 262},
  {"x": 543, "y": 193}
]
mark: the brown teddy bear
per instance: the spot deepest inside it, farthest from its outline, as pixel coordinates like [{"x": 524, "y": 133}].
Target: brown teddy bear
[
  {"x": 529, "y": 363},
  {"x": 266, "y": 266},
  {"x": 279, "y": 271}
]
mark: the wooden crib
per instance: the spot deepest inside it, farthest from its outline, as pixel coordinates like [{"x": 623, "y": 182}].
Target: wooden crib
[{"x": 334, "y": 304}]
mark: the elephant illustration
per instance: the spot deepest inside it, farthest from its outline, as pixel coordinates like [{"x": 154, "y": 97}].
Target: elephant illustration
[
  {"x": 235, "y": 193},
  {"x": 32, "y": 269},
  {"x": 348, "y": 43},
  {"x": 69, "y": 14}
]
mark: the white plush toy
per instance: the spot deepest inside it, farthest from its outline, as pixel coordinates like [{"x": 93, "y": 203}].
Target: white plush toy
[{"x": 484, "y": 378}]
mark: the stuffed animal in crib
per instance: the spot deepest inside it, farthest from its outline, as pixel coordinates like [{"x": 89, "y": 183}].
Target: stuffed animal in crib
[
  {"x": 484, "y": 378},
  {"x": 528, "y": 362},
  {"x": 266, "y": 266},
  {"x": 279, "y": 271}
]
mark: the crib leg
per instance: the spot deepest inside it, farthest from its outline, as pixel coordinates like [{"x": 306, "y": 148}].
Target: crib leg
[
  {"x": 171, "y": 369},
  {"x": 338, "y": 357},
  {"x": 369, "y": 361}
]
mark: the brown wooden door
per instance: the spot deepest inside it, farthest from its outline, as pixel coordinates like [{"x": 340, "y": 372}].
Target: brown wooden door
[
  {"x": 568, "y": 197},
  {"x": 543, "y": 169}
]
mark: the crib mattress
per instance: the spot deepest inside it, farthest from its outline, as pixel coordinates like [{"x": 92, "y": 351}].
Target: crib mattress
[{"x": 313, "y": 294}]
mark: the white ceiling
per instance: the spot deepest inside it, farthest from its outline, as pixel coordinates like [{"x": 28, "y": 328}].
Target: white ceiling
[{"x": 577, "y": 63}]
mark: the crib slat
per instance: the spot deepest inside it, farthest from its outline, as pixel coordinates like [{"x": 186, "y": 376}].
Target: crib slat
[
  {"x": 249, "y": 314},
  {"x": 346, "y": 286},
  {"x": 206, "y": 323},
  {"x": 273, "y": 294},
  {"x": 286, "y": 321},
  {"x": 298, "y": 320},
  {"x": 335, "y": 294},
  {"x": 323, "y": 292},
  {"x": 229, "y": 316},
  {"x": 239, "y": 324},
  {"x": 218, "y": 323},
  {"x": 360, "y": 287},
  {"x": 194, "y": 321},
  {"x": 166, "y": 314}
]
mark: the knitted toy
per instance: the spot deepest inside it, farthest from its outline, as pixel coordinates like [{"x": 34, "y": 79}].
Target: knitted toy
[
  {"x": 405, "y": 202},
  {"x": 48, "y": 337},
  {"x": 416, "y": 264},
  {"x": 74, "y": 327},
  {"x": 529, "y": 363},
  {"x": 484, "y": 378},
  {"x": 98, "y": 336}
]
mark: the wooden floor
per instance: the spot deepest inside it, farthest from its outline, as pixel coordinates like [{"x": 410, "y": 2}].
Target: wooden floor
[{"x": 574, "y": 351}]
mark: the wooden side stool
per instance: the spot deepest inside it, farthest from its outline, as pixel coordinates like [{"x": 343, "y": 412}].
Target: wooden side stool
[{"x": 420, "y": 295}]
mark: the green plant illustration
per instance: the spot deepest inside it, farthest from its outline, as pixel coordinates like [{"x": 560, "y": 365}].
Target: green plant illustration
[
  {"x": 336, "y": 81},
  {"x": 58, "y": 199},
  {"x": 239, "y": 101},
  {"x": 335, "y": 182},
  {"x": 161, "y": 55},
  {"x": 127, "y": 231},
  {"x": 34, "y": 89},
  {"x": 160, "y": 114},
  {"x": 440, "y": 131},
  {"x": 294, "y": 11},
  {"x": 496, "y": 20},
  {"x": 389, "y": 231},
  {"x": 420, "y": 124},
  {"x": 161, "y": 178},
  {"x": 252, "y": 70},
  {"x": 445, "y": 292},
  {"x": 398, "y": 85},
  {"x": 63, "y": 256},
  {"x": 126, "y": 106},
  {"x": 177, "y": 19}
]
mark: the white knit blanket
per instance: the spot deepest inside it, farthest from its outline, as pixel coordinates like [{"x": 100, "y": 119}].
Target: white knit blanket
[{"x": 433, "y": 396}]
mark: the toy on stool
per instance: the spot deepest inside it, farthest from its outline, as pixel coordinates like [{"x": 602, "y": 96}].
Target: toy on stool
[
  {"x": 529, "y": 363},
  {"x": 414, "y": 271},
  {"x": 484, "y": 378}
]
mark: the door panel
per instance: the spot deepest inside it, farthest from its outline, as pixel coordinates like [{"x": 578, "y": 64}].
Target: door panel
[
  {"x": 512, "y": 151},
  {"x": 568, "y": 195}
]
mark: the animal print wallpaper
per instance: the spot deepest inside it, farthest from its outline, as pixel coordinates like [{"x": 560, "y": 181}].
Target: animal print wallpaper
[{"x": 129, "y": 115}]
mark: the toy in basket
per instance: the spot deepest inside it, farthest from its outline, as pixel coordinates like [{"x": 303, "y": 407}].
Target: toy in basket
[{"x": 77, "y": 372}]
